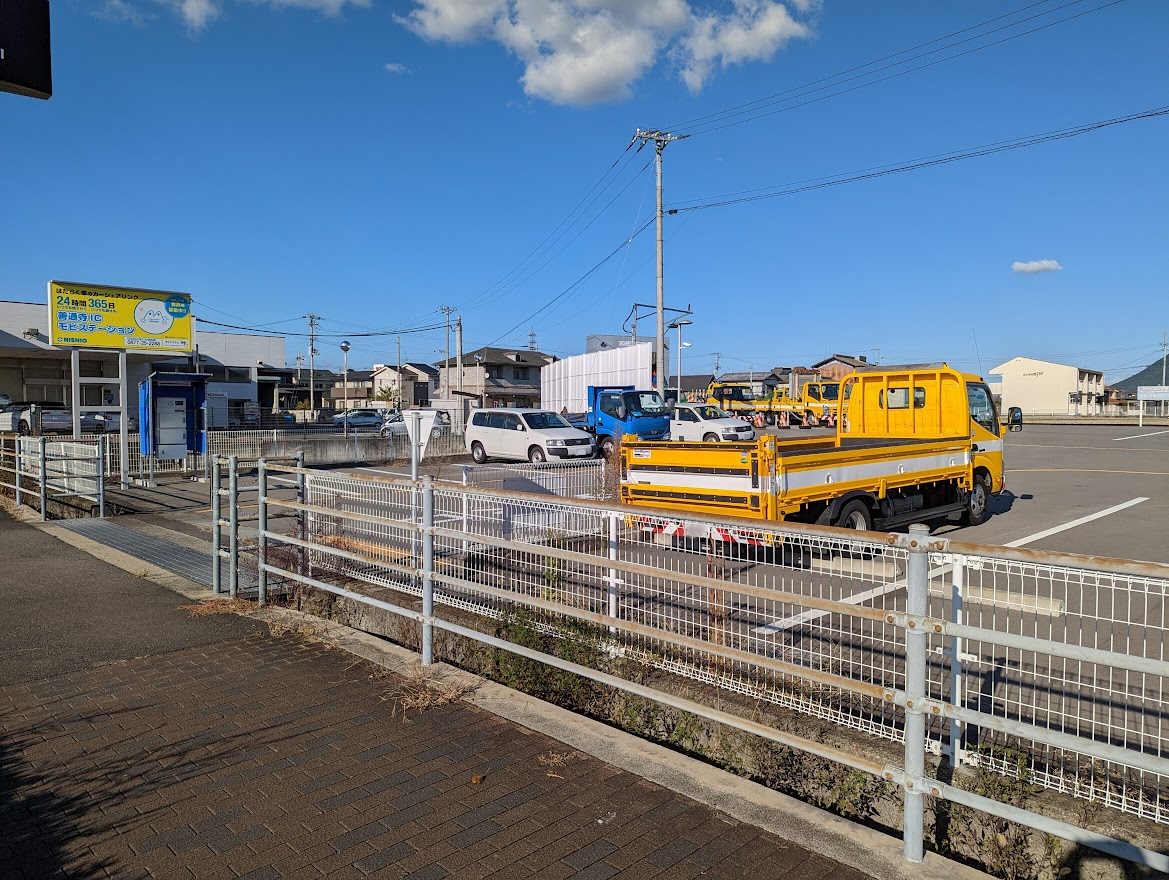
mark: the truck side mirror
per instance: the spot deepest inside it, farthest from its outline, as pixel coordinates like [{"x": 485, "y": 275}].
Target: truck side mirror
[
  {"x": 671, "y": 405},
  {"x": 1015, "y": 419},
  {"x": 622, "y": 412}
]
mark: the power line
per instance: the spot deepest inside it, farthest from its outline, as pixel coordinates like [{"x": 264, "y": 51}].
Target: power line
[
  {"x": 804, "y": 91},
  {"x": 579, "y": 281},
  {"x": 319, "y": 335},
  {"x": 914, "y": 165}
]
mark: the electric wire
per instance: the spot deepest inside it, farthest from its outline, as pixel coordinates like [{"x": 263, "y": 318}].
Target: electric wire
[
  {"x": 915, "y": 165},
  {"x": 706, "y": 128}
]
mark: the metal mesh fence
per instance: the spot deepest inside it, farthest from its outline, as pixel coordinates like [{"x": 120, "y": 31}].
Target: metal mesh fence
[{"x": 742, "y": 609}]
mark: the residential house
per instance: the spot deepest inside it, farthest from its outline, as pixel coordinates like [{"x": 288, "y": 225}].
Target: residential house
[
  {"x": 353, "y": 390},
  {"x": 838, "y": 366},
  {"x": 693, "y": 386},
  {"x": 495, "y": 376},
  {"x": 413, "y": 386}
]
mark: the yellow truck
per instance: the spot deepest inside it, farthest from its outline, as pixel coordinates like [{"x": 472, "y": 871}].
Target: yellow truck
[
  {"x": 912, "y": 445},
  {"x": 817, "y": 401}
]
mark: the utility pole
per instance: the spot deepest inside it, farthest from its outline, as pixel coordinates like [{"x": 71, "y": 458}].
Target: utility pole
[
  {"x": 717, "y": 360},
  {"x": 459, "y": 362},
  {"x": 532, "y": 340},
  {"x": 400, "y": 373},
  {"x": 1164, "y": 352},
  {"x": 660, "y": 140},
  {"x": 446, "y": 366},
  {"x": 313, "y": 322}
]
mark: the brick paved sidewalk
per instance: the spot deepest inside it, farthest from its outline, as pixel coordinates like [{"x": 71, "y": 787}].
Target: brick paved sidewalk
[{"x": 268, "y": 757}]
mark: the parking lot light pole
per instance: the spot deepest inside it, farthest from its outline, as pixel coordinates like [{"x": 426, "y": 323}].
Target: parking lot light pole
[{"x": 345, "y": 386}]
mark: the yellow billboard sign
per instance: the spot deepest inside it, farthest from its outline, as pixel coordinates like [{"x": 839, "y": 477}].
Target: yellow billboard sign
[{"x": 93, "y": 316}]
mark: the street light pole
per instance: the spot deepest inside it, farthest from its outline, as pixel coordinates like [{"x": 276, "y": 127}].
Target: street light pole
[
  {"x": 679, "y": 324},
  {"x": 345, "y": 385}
]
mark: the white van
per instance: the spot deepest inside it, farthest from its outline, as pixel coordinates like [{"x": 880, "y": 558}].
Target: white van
[
  {"x": 525, "y": 435},
  {"x": 700, "y": 421}
]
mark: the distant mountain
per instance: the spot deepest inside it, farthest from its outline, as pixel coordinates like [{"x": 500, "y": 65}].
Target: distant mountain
[{"x": 1150, "y": 375}]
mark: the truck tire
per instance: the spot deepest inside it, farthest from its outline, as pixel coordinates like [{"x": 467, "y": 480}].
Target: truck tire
[
  {"x": 478, "y": 453},
  {"x": 22, "y": 429},
  {"x": 770, "y": 419},
  {"x": 536, "y": 455},
  {"x": 855, "y": 515},
  {"x": 710, "y": 438},
  {"x": 606, "y": 447},
  {"x": 977, "y": 501}
]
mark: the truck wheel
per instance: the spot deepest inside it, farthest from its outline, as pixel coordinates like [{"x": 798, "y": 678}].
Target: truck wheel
[
  {"x": 22, "y": 429},
  {"x": 478, "y": 453},
  {"x": 770, "y": 419},
  {"x": 606, "y": 446},
  {"x": 855, "y": 515},
  {"x": 977, "y": 501},
  {"x": 536, "y": 455}
]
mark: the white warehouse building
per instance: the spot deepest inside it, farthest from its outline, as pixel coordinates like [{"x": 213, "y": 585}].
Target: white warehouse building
[{"x": 1043, "y": 387}]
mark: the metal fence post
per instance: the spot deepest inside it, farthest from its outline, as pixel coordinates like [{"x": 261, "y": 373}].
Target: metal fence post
[
  {"x": 427, "y": 570},
  {"x": 916, "y": 607},
  {"x": 216, "y": 519},
  {"x": 466, "y": 498},
  {"x": 16, "y": 440},
  {"x": 233, "y": 532},
  {"x": 262, "y": 538},
  {"x": 300, "y": 514},
  {"x": 101, "y": 476},
  {"x": 275, "y": 442},
  {"x": 44, "y": 480},
  {"x": 613, "y": 576},
  {"x": 957, "y": 615}
]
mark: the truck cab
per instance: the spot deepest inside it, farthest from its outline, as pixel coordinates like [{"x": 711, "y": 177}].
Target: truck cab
[{"x": 617, "y": 411}]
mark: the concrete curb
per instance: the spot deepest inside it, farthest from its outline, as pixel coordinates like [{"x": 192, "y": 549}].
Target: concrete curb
[{"x": 821, "y": 832}]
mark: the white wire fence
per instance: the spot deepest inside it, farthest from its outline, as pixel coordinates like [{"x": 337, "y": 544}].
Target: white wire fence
[
  {"x": 37, "y": 469},
  {"x": 1047, "y": 666}
]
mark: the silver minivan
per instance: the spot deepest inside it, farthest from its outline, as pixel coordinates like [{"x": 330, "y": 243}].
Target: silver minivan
[{"x": 534, "y": 435}]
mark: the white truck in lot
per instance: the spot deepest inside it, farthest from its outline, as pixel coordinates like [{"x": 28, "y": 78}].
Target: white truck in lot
[{"x": 694, "y": 422}]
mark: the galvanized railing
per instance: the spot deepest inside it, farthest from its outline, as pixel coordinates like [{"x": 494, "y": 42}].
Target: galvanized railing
[
  {"x": 39, "y": 468},
  {"x": 985, "y": 653}
]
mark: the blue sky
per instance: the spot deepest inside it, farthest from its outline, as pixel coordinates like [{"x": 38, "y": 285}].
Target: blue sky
[{"x": 372, "y": 161}]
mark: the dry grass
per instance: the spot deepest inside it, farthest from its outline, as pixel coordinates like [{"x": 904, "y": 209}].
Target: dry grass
[
  {"x": 420, "y": 691},
  {"x": 219, "y": 606},
  {"x": 555, "y": 761}
]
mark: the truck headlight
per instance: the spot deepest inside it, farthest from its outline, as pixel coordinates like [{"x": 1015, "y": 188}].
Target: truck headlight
[{"x": 555, "y": 442}]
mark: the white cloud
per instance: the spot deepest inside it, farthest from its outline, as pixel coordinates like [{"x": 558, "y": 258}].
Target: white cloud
[
  {"x": 585, "y": 51},
  {"x": 1032, "y": 266},
  {"x": 199, "y": 13},
  {"x": 755, "y": 31},
  {"x": 395, "y": 67},
  {"x": 120, "y": 10}
]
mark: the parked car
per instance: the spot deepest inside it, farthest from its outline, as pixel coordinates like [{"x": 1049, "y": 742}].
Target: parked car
[
  {"x": 525, "y": 434},
  {"x": 358, "y": 419},
  {"x": 701, "y": 421},
  {"x": 112, "y": 421},
  {"x": 395, "y": 423},
  {"x": 55, "y": 418}
]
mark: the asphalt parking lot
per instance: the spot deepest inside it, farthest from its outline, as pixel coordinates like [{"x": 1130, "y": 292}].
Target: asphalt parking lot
[{"x": 1096, "y": 490}]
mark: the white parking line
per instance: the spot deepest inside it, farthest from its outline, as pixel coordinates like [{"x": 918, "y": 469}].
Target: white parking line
[
  {"x": 1139, "y": 436},
  {"x": 857, "y": 598},
  {"x": 1075, "y": 522}
]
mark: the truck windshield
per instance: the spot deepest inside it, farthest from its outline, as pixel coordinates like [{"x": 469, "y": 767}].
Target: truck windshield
[
  {"x": 736, "y": 393},
  {"x": 546, "y": 420},
  {"x": 982, "y": 407},
  {"x": 709, "y": 413},
  {"x": 831, "y": 390},
  {"x": 644, "y": 403}
]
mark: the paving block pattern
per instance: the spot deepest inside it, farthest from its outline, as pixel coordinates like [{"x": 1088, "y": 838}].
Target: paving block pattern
[{"x": 270, "y": 757}]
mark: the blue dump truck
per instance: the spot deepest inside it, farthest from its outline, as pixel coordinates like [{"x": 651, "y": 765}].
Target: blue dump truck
[{"x": 617, "y": 410}]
